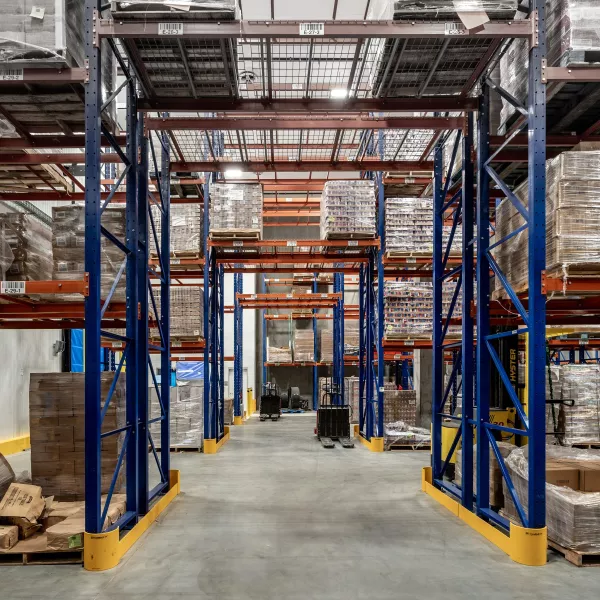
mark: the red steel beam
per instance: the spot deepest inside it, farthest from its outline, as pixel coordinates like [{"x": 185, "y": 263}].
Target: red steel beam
[
  {"x": 369, "y": 243},
  {"x": 305, "y": 105},
  {"x": 288, "y": 166},
  {"x": 54, "y": 142},
  {"x": 48, "y": 76},
  {"x": 270, "y": 124},
  {"x": 54, "y": 159},
  {"x": 563, "y": 141},
  {"x": 44, "y": 196}
]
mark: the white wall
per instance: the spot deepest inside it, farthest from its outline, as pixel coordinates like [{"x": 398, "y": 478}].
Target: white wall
[
  {"x": 249, "y": 341},
  {"x": 22, "y": 352}
]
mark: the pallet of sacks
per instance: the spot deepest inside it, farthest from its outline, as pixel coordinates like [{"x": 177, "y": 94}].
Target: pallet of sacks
[
  {"x": 348, "y": 210},
  {"x": 236, "y": 211}
]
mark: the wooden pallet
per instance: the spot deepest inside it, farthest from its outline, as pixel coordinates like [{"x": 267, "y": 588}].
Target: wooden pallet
[
  {"x": 579, "y": 559},
  {"x": 406, "y": 446},
  {"x": 349, "y": 236},
  {"x": 32, "y": 551},
  {"x": 180, "y": 254},
  {"x": 586, "y": 446},
  {"x": 234, "y": 234}
]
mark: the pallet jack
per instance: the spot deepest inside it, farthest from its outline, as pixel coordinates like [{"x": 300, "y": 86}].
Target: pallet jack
[
  {"x": 270, "y": 403},
  {"x": 333, "y": 418}
]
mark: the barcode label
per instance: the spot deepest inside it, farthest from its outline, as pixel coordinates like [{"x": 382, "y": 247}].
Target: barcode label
[
  {"x": 584, "y": 342},
  {"x": 312, "y": 28},
  {"x": 398, "y": 356},
  {"x": 410, "y": 260},
  {"x": 409, "y": 343},
  {"x": 117, "y": 344},
  {"x": 289, "y": 296},
  {"x": 289, "y": 199},
  {"x": 292, "y": 243},
  {"x": 11, "y": 75},
  {"x": 175, "y": 261},
  {"x": 237, "y": 243},
  {"x": 353, "y": 243},
  {"x": 382, "y": 389},
  {"x": 12, "y": 287},
  {"x": 456, "y": 28},
  {"x": 253, "y": 297},
  {"x": 176, "y": 344},
  {"x": 170, "y": 29}
]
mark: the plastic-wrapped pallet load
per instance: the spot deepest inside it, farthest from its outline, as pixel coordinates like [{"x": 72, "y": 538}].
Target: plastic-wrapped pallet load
[
  {"x": 572, "y": 495},
  {"x": 236, "y": 210},
  {"x": 304, "y": 345},
  {"x": 326, "y": 353},
  {"x": 572, "y": 221},
  {"x": 408, "y": 307},
  {"x": 30, "y": 242},
  {"x": 581, "y": 384},
  {"x": 496, "y": 493},
  {"x": 56, "y": 423},
  {"x": 351, "y": 337},
  {"x": 572, "y": 39},
  {"x": 348, "y": 210},
  {"x": 208, "y": 8},
  {"x": 68, "y": 243},
  {"x": 352, "y": 391},
  {"x": 186, "y": 416},
  {"x": 187, "y": 311},
  {"x": 399, "y": 405},
  {"x": 554, "y": 416},
  {"x": 409, "y": 227},
  {"x": 276, "y": 354},
  {"x": 440, "y": 10},
  {"x": 48, "y": 33},
  {"x": 187, "y": 230}
]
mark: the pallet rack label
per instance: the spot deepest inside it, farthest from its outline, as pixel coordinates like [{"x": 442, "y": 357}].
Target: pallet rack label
[
  {"x": 12, "y": 287},
  {"x": 170, "y": 29},
  {"x": 312, "y": 28},
  {"x": 11, "y": 75}
]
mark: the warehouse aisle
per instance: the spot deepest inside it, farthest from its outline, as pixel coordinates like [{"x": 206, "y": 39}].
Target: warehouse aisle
[{"x": 275, "y": 515}]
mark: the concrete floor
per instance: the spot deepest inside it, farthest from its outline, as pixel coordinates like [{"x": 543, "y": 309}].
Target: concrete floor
[{"x": 274, "y": 515}]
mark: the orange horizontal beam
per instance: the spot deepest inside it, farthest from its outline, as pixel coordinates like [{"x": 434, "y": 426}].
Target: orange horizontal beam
[
  {"x": 19, "y": 288},
  {"x": 370, "y": 243},
  {"x": 273, "y": 214},
  {"x": 51, "y": 196}
]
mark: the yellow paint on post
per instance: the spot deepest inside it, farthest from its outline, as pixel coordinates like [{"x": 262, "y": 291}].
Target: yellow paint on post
[
  {"x": 238, "y": 420},
  {"x": 212, "y": 446},
  {"x": 523, "y": 545},
  {"x": 251, "y": 401},
  {"x": 375, "y": 444},
  {"x": 103, "y": 551},
  {"x": 15, "y": 445}
]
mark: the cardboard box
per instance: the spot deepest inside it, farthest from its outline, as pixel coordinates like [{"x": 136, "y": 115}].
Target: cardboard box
[
  {"x": 562, "y": 475},
  {"x": 21, "y": 506},
  {"x": 589, "y": 479},
  {"x": 9, "y": 535}
]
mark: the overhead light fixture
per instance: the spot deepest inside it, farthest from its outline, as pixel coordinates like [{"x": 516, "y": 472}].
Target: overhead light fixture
[
  {"x": 339, "y": 93},
  {"x": 233, "y": 173}
]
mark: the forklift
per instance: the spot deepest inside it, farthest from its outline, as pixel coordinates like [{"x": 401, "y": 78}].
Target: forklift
[
  {"x": 270, "y": 402},
  {"x": 333, "y": 418}
]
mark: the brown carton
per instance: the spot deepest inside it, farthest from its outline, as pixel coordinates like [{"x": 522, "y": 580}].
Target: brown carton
[
  {"x": 589, "y": 479},
  {"x": 562, "y": 475},
  {"x": 22, "y": 505},
  {"x": 9, "y": 534},
  {"x": 66, "y": 535}
]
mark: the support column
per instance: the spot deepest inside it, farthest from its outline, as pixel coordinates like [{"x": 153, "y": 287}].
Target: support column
[{"x": 315, "y": 369}]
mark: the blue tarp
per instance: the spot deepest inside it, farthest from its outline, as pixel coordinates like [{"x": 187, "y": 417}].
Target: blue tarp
[{"x": 190, "y": 370}]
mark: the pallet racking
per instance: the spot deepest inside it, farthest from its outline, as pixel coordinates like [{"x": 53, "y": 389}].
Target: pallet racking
[{"x": 351, "y": 141}]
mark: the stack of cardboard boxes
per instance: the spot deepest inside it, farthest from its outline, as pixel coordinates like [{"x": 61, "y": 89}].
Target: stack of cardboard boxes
[{"x": 57, "y": 430}]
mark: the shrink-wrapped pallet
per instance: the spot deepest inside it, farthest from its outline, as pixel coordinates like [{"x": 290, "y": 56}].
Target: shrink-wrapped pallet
[
  {"x": 440, "y": 10},
  {"x": 580, "y": 384},
  {"x": 326, "y": 350},
  {"x": 222, "y": 9},
  {"x": 572, "y": 515},
  {"x": 57, "y": 431},
  {"x": 572, "y": 38},
  {"x": 348, "y": 210},
  {"x": 277, "y": 354},
  {"x": 68, "y": 247},
  {"x": 399, "y": 405},
  {"x": 48, "y": 34},
  {"x": 186, "y": 410},
  {"x": 30, "y": 242},
  {"x": 572, "y": 221},
  {"x": 352, "y": 393},
  {"x": 186, "y": 231},
  {"x": 351, "y": 337},
  {"x": 236, "y": 210},
  {"x": 187, "y": 311},
  {"x": 304, "y": 345}
]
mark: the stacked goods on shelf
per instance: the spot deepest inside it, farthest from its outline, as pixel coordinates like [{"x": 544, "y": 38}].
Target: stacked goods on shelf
[
  {"x": 440, "y": 10},
  {"x": 352, "y": 391},
  {"x": 399, "y": 405},
  {"x": 572, "y": 39},
  {"x": 348, "y": 210},
  {"x": 186, "y": 415},
  {"x": 276, "y": 354},
  {"x": 209, "y": 9},
  {"x": 351, "y": 337},
  {"x": 409, "y": 227},
  {"x": 187, "y": 311},
  {"x": 554, "y": 416},
  {"x": 186, "y": 232},
  {"x": 48, "y": 33},
  {"x": 496, "y": 493},
  {"x": 572, "y": 495},
  {"x": 68, "y": 242},
  {"x": 228, "y": 409},
  {"x": 581, "y": 422},
  {"x": 572, "y": 221},
  {"x": 56, "y": 422},
  {"x": 30, "y": 243},
  {"x": 408, "y": 308},
  {"x": 326, "y": 352},
  {"x": 304, "y": 345},
  {"x": 236, "y": 210}
]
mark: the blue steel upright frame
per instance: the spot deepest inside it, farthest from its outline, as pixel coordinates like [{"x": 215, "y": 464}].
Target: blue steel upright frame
[
  {"x": 476, "y": 387},
  {"x": 238, "y": 348},
  {"x": 135, "y": 434}
]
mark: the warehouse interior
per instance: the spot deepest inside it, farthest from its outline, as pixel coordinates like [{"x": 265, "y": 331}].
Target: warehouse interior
[{"x": 300, "y": 289}]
